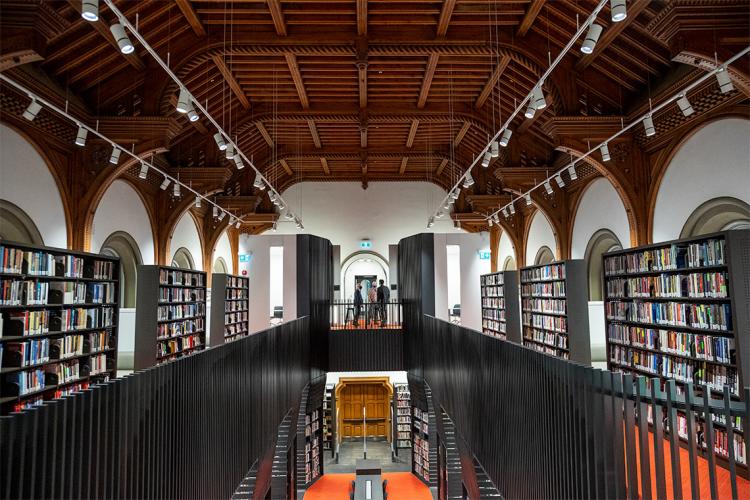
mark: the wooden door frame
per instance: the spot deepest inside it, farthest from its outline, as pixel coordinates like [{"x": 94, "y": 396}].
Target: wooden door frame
[{"x": 384, "y": 381}]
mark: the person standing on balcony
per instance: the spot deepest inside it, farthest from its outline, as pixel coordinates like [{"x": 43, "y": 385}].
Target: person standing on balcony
[
  {"x": 372, "y": 298},
  {"x": 384, "y": 295},
  {"x": 358, "y": 301}
]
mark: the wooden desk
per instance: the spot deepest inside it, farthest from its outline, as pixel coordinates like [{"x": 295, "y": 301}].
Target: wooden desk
[{"x": 368, "y": 471}]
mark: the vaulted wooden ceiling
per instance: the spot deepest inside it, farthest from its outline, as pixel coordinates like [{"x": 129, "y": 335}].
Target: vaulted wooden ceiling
[{"x": 363, "y": 90}]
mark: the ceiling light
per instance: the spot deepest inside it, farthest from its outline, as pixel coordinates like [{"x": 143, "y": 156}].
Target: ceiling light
[
  {"x": 259, "y": 182},
  {"x": 197, "y": 201},
  {"x": 527, "y": 197},
  {"x": 591, "y": 38},
  {"x": 90, "y": 10},
  {"x": 273, "y": 228},
  {"x": 446, "y": 206},
  {"x": 176, "y": 189},
  {"x": 32, "y": 110},
  {"x": 192, "y": 114},
  {"x": 81, "y": 136},
  {"x": 289, "y": 216},
  {"x": 144, "y": 171},
  {"x": 512, "y": 208},
  {"x": 548, "y": 187},
  {"x": 238, "y": 162},
  {"x": 229, "y": 152},
  {"x": 572, "y": 172},
  {"x": 685, "y": 106},
  {"x": 648, "y": 125},
  {"x": 456, "y": 225},
  {"x": 231, "y": 220},
  {"x": 215, "y": 211},
  {"x": 489, "y": 221},
  {"x": 281, "y": 205},
  {"x": 237, "y": 225},
  {"x": 271, "y": 195},
  {"x": 126, "y": 46},
  {"x": 439, "y": 215},
  {"x": 164, "y": 184},
  {"x": 530, "y": 110},
  {"x": 618, "y": 9},
  {"x": 430, "y": 222},
  {"x": 222, "y": 214},
  {"x": 220, "y": 141},
  {"x": 605, "y": 152},
  {"x": 114, "y": 158},
  {"x": 537, "y": 97},
  {"x": 560, "y": 181},
  {"x": 468, "y": 180},
  {"x": 506, "y": 137},
  {"x": 505, "y": 212},
  {"x": 495, "y": 149},
  {"x": 456, "y": 193},
  {"x": 725, "y": 82},
  {"x": 486, "y": 159},
  {"x": 496, "y": 218},
  {"x": 183, "y": 101}
]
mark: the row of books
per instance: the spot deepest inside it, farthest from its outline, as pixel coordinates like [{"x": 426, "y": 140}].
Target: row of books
[
  {"x": 699, "y": 346},
  {"x": 174, "y": 346},
  {"x": 496, "y": 314},
  {"x": 235, "y": 317},
  {"x": 706, "y": 253},
  {"x": 98, "y": 364},
  {"x": 103, "y": 269},
  {"x": 236, "y": 281},
  {"x": 421, "y": 457},
  {"x": 81, "y": 318},
  {"x": 180, "y": 311},
  {"x": 177, "y": 294},
  {"x": 22, "y": 354},
  {"x": 491, "y": 279},
  {"x": 235, "y": 329},
  {"x": 545, "y": 337},
  {"x": 26, "y": 293},
  {"x": 493, "y": 291},
  {"x": 235, "y": 294},
  {"x": 179, "y": 328},
  {"x": 693, "y": 285},
  {"x": 494, "y": 326},
  {"x": 493, "y": 303},
  {"x": 234, "y": 306},
  {"x": 706, "y": 316},
  {"x": 676, "y": 256},
  {"x": 547, "y": 289},
  {"x": 556, "y": 306},
  {"x": 24, "y": 323},
  {"x": 30, "y": 381},
  {"x": 185, "y": 278},
  {"x": 101, "y": 293},
  {"x": 547, "y": 350},
  {"x": 551, "y": 323},
  {"x": 32, "y": 292},
  {"x": 544, "y": 273}
]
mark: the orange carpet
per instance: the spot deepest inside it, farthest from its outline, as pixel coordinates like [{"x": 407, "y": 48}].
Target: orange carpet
[{"x": 401, "y": 486}]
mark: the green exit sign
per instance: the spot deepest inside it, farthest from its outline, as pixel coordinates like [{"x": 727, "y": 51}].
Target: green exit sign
[
  {"x": 484, "y": 255},
  {"x": 365, "y": 244},
  {"x": 246, "y": 257}
]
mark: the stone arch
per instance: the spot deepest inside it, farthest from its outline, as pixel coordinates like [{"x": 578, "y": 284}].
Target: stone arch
[
  {"x": 186, "y": 211},
  {"x": 544, "y": 256},
  {"x": 528, "y": 222},
  {"x": 183, "y": 259},
  {"x": 16, "y": 225},
  {"x": 509, "y": 264},
  {"x": 123, "y": 245},
  {"x": 717, "y": 214},
  {"x": 220, "y": 266},
  {"x": 601, "y": 242}
]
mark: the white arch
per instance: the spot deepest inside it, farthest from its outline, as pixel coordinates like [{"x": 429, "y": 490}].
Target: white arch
[
  {"x": 121, "y": 209},
  {"x": 505, "y": 249},
  {"x": 600, "y": 208},
  {"x": 222, "y": 249},
  {"x": 186, "y": 235},
  {"x": 540, "y": 234},
  {"x": 25, "y": 181},
  {"x": 714, "y": 162}
]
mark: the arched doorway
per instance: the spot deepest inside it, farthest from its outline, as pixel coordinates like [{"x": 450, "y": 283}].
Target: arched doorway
[
  {"x": 220, "y": 266},
  {"x": 601, "y": 242},
  {"x": 509, "y": 264},
  {"x": 362, "y": 265},
  {"x": 121, "y": 244},
  {"x": 544, "y": 256},
  {"x": 355, "y": 394},
  {"x": 183, "y": 259},
  {"x": 718, "y": 214},
  {"x": 16, "y": 225}
]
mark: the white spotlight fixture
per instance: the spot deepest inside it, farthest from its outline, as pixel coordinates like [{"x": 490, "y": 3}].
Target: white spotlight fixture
[
  {"x": 164, "y": 184},
  {"x": 512, "y": 208},
  {"x": 527, "y": 197},
  {"x": 505, "y": 212},
  {"x": 273, "y": 228},
  {"x": 489, "y": 221},
  {"x": 176, "y": 190},
  {"x": 126, "y": 46},
  {"x": 289, "y": 216},
  {"x": 281, "y": 205},
  {"x": 724, "y": 81},
  {"x": 468, "y": 181},
  {"x": 548, "y": 187},
  {"x": 591, "y": 38},
  {"x": 496, "y": 218},
  {"x": 456, "y": 225},
  {"x": 192, "y": 114},
  {"x": 530, "y": 110},
  {"x": 486, "y": 159},
  {"x": 605, "y": 152},
  {"x": 114, "y": 158},
  {"x": 229, "y": 152},
  {"x": 430, "y": 222},
  {"x": 238, "y": 161},
  {"x": 222, "y": 214},
  {"x": 183, "y": 101},
  {"x": 81, "y": 136},
  {"x": 32, "y": 110},
  {"x": 220, "y": 141},
  {"x": 237, "y": 225},
  {"x": 648, "y": 125},
  {"x": 495, "y": 149},
  {"x": 231, "y": 220},
  {"x": 258, "y": 183},
  {"x": 506, "y": 137},
  {"x": 90, "y": 10},
  {"x": 144, "y": 171},
  {"x": 455, "y": 194},
  {"x": 538, "y": 98},
  {"x": 560, "y": 181},
  {"x": 197, "y": 201},
  {"x": 446, "y": 206},
  {"x": 618, "y": 10},
  {"x": 439, "y": 215},
  {"x": 271, "y": 196},
  {"x": 215, "y": 211},
  {"x": 685, "y": 106},
  {"x": 572, "y": 172}
]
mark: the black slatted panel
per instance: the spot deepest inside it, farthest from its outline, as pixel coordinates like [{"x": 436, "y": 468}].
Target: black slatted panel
[{"x": 365, "y": 350}]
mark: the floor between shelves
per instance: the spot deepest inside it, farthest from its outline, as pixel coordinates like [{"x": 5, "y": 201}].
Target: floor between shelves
[{"x": 401, "y": 486}]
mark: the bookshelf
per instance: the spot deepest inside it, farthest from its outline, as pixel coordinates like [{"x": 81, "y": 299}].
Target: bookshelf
[
  {"x": 313, "y": 445},
  {"x": 402, "y": 411},
  {"x": 170, "y": 316},
  {"x": 420, "y": 463},
  {"x": 678, "y": 310},
  {"x": 230, "y": 305},
  {"x": 328, "y": 418},
  {"x": 58, "y": 323},
  {"x": 554, "y": 309},
  {"x": 500, "y": 306}
]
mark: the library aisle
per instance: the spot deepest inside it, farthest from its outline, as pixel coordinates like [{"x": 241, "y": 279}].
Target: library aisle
[{"x": 401, "y": 486}]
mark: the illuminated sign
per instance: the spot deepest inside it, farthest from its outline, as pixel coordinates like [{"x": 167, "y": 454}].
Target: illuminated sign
[
  {"x": 365, "y": 244},
  {"x": 483, "y": 255},
  {"x": 246, "y": 257}
]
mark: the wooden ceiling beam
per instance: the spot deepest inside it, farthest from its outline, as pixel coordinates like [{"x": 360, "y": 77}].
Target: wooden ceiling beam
[
  {"x": 314, "y": 133},
  {"x": 362, "y": 17},
  {"x": 229, "y": 77},
  {"x": 494, "y": 77},
  {"x": 324, "y": 164},
  {"x": 429, "y": 73},
  {"x": 264, "y": 132},
  {"x": 274, "y": 6},
  {"x": 441, "y": 167},
  {"x": 528, "y": 19},
  {"x": 362, "y": 80},
  {"x": 291, "y": 61},
  {"x": 445, "y": 17},
  {"x": 192, "y": 18},
  {"x": 286, "y": 166},
  {"x": 402, "y": 169},
  {"x": 461, "y": 133},
  {"x": 412, "y": 133}
]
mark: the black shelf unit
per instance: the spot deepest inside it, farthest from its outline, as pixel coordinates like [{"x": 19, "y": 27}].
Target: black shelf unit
[
  {"x": 313, "y": 445},
  {"x": 554, "y": 309},
  {"x": 402, "y": 417},
  {"x": 230, "y": 308},
  {"x": 500, "y": 306},
  {"x": 170, "y": 316},
  {"x": 329, "y": 398},
  {"x": 420, "y": 460},
  {"x": 59, "y": 311},
  {"x": 675, "y": 311}
]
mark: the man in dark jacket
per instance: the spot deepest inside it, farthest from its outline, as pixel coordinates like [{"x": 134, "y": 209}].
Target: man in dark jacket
[
  {"x": 384, "y": 295},
  {"x": 357, "y": 303}
]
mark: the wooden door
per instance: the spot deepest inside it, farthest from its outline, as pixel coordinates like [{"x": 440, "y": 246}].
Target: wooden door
[{"x": 353, "y": 398}]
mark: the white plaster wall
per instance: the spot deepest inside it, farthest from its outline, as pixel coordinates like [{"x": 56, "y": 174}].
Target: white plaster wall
[
  {"x": 26, "y": 182},
  {"x": 454, "y": 275},
  {"x": 224, "y": 250},
  {"x": 186, "y": 235},
  {"x": 394, "y": 377},
  {"x": 597, "y": 331},
  {"x": 540, "y": 235},
  {"x": 714, "y": 162},
  {"x": 276, "y": 285},
  {"x": 505, "y": 249},
  {"x": 600, "y": 208},
  {"x": 121, "y": 209}
]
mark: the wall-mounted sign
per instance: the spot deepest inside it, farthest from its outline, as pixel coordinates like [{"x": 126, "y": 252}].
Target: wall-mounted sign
[
  {"x": 365, "y": 244},
  {"x": 484, "y": 255},
  {"x": 247, "y": 257}
]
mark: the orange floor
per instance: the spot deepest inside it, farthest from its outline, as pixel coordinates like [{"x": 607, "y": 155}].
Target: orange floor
[{"x": 401, "y": 486}]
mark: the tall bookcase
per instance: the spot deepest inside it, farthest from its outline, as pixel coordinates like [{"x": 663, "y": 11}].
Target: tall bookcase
[
  {"x": 329, "y": 418},
  {"x": 681, "y": 310},
  {"x": 555, "y": 312},
  {"x": 420, "y": 462},
  {"x": 170, "y": 316},
  {"x": 58, "y": 322},
  {"x": 500, "y": 306},
  {"x": 230, "y": 306},
  {"x": 402, "y": 413},
  {"x": 313, "y": 445}
]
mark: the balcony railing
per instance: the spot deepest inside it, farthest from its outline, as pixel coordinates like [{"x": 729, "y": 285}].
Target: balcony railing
[{"x": 368, "y": 316}]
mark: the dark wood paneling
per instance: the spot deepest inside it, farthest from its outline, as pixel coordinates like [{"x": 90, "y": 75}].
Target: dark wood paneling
[{"x": 365, "y": 350}]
